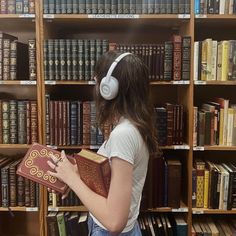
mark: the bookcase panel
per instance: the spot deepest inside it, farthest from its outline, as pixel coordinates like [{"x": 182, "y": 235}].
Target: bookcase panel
[
  {"x": 18, "y": 92},
  {"x": 207, "y": 93},
  {"x": 74, "y": 92},
  {"x": 17, "y": 223}
]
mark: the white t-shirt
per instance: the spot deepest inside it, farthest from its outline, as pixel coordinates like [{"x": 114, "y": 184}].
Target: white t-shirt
[{"x": 126, "y": 143}]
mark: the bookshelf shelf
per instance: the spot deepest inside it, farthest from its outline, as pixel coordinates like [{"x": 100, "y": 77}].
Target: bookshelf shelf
[
  {"x": 24, "y": 209},
  {"x": 176, "y": 147},
  {"x": 196, "y": 211},
  {"x": 18, "y": 82},
  {"x": 214, "y": 148},
  {"x": 14, "y": 146},
  {"x": 17, "y": 16},
  {"x": 199, "y": 82},
  {"x": 117, "y": 16},
  {"x": 181, "y": 82},
  {"x": 75, "y": 147},
  {"x": 183, "y": 208},
  {"x": 69, "y": 208},
  {"x": 215, "y": 17},
  {"x": 48, "y": 82}
]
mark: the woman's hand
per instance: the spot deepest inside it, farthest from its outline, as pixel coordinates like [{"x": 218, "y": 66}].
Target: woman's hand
[{"x": 64, "y": 170}]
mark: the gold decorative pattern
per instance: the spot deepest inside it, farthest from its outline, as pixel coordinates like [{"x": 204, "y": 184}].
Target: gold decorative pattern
[{"x": 34, "y": 170}]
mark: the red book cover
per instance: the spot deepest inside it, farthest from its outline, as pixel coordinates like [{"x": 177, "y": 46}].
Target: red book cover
[
  {"x": 34, "y": 166},
  {"x": 95, "y": 171}
]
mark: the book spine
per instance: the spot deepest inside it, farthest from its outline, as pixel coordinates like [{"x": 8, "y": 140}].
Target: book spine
[
  {"x": 5, "y": 122},
  {"x": 57, "y": 59},
  {"x": 69, "y": 6},
  {"x": 32, "y": 59},
  {"x": 3, "y": 7},
  {"x": 12, "y": 186},
  {"x": 81, "y": 56},
  {"x": 25, "y": 6},
  {"x": 73, "y": 122},
  {"x": 69, "y": 59},
  {"x": 27, "y": 192},
  {"x": 64, "y": 124},
  {"x": 63, "y": 7},
  {"x": 34, "y": 121},
  {"x": 22, "y": 122},
  {"x": 51, "y": 59},
  {"x": 63, "y": 69},
  {"x": 31, "y": 6},
  {"x": 6, "y": 59},
  {"x": 74, "y": 50},
  {"x": 5, "y": 187},
  {"x": 32, "y": 193},
  {"x": 87, "y": 59},
  {"x": 107, "y": 6},
  {"x": 11, "y": 8},
  {"x": 86, "y": 123},
  {"x": 19, "y": 6},
  {"x": 92, "y": 58},
  {"x": 168, "y": 61},
  {"x": 20, "y": 191},
  {"x": 177, "y": 45},
  {"x": 28, "y": 122},
  {"x": 45, "y": 60},
  {"x": 119, "y": 6},
  {"x": 75, "y": 7},
  {"x": 186, "y": 57},
  {"x": 206, "y": 188},
  {"x": 13, "y": 121}
]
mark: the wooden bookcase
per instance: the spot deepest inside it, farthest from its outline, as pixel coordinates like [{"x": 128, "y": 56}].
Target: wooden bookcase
[{"x": 146, "y": 28}]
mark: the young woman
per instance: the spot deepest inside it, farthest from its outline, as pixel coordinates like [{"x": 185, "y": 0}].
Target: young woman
[{"x": 123, "y": 99}]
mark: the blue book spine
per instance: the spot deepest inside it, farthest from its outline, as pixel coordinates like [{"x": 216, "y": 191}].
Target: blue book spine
[{"x": 197, "y": 7}]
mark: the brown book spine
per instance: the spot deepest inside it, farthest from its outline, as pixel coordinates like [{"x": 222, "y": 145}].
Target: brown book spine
[
  {"x": 68, "y": 123},
  {"x": 64, "y": 123},
  {"x": 20, "y": 191},
  {"x": 47, "y": 120},
  {"x": 56, "y": 128},
  {"x": 174, "y": 183},
  {"x": 34, "y": 121},
  {"x": 32, "y": 193},
  {"x": 86, "y": 123},
  {"x": 60, "y": 123},
  {"x": 5, "y": 186},
  {"x": 6, "y": 59},
  {"x": 6, "y": 122},
  {"x": 1, "y": 122},
  {"x": 13, "y": 121},
  {"x": 27, "y": 192},
  {"x": 3, "y": 7},
  {"x": 52, "y": 125},
  {"x": 177, "y": 49},
  {"x": 32, "y": 6}
]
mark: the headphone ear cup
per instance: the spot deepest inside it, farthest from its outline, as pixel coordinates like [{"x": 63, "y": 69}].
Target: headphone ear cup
[{"x": 109, "y": 88}]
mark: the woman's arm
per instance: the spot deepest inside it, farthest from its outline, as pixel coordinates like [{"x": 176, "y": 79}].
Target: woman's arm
[{"x": 111, "y": 212}]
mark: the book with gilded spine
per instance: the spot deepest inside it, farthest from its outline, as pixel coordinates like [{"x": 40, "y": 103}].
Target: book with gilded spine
[
  {"x": 94, "y": 170},
  {"x": 34, "y": 167}
]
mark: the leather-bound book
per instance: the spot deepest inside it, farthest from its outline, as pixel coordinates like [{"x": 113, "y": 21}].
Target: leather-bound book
[
  {"x": 94, "y": 170},
  {"x": 34, "y": 167}
]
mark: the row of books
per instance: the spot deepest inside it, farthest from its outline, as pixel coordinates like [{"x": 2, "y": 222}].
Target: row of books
[
  {"x": 162, "y": 224},
  {"x": 215, "y": 60},
  {"x": 167, "y": 61},
  {"x": 167, "y": 182},
  {"x": 213, "y": 227},
  {"x": 213, "y": 185},
  {"x": 67, "y": 223},
  {"x": 17, "y": 60},
  {"x": 214, "y": 123},
  {"x": 17, "y": 7},
  {"x": 116, "y": 7},
  {"x": 72, "y": 59},
  {"x": 215, "y": 6},
  {"x": 15, "y": 189},
  {"x": 18, "y": 122},
  {"x": 75, "y": 59},
  {"x": 170, "y": 124},
  {"x": 55, "y": 200},
  {"x": 71, "y": 123}
]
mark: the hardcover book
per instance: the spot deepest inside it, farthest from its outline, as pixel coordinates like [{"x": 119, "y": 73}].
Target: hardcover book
[
  {"x": 34, "y": 167},
  {"x": 94, "y": 170}
]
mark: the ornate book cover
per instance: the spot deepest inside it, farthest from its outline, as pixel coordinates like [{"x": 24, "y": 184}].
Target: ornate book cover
[
  {"x": 34, "y": 167},
  {"x": 94, "y": 170}
]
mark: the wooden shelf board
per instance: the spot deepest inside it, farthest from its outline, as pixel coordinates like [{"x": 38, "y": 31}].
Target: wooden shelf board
[
  {"x": 15, "y": 146},
  {"x": 176, "y": 147},
  {"x": 214, "y": 148},
  {"x": 117, "y": 16},
  {"x": 181, "y": 82},
  {"x": 17, "y": 16},
  {"x": 24, "y": 209},
  {"x": 17, "y": 82},
  {"x": 215, "y": 17},
  {"x": 75, "y": 147},
  {"x": 53, "y": 82},
  {"x": 212, "y": 211},
  {"x": 183, "y": 208},
  {"x": 68, "y": 208},
  {"x": 199, "y": 82}
]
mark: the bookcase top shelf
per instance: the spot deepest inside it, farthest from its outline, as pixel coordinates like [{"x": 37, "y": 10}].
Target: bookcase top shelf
[{"x": 200, "y": 82}]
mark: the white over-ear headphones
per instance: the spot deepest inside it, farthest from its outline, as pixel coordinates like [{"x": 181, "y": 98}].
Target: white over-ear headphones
[{"x": 109, "y": 85}]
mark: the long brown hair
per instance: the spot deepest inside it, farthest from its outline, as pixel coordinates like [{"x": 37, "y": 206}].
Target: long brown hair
[{"x": 133, "y": 100}]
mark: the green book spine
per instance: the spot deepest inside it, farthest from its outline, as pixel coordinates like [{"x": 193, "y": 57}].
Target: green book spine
[
  {"x": 51, "y": 59},
  {"x": 107, "y": 6},
  {"x": 81, "y": 59},
  {"x": 52, "y": 7},
  {"x": 45, "y": 60},
  {"x": 69, "y": 9},
  {"x": 63, "y": 6},
  {"x": 88, "y": 6},
  {"x": 58, "y": 7},
  {"x": 95, "y": 6},
  {"x": 69, "y": 59},
  {"x": 82, "y": 6},
  {"x": 113, "y": 6},
  {"x": 92, "y": 57},
  {"x": 62, "y": 45},
  {"x": 13, "y": 121},
  {"x": 87, "y": 74},
  {"x": 21, "y": 115},
  {"x": 126, "y": 6},
  {"x": 75, "y": 7},
  {"x": 6, "y": 122},
  {"x": 101, "y": 6},
  {"x": 74, "y": 50}
]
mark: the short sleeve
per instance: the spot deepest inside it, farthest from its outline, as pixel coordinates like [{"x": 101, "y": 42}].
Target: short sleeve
[{"x": 123, "y": 143}]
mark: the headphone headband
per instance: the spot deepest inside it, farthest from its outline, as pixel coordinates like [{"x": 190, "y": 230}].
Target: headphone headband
[{"x": 113, "y": 65}]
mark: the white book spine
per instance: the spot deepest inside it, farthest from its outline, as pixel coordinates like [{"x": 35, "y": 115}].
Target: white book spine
[
  {"x": 196, "y": 58},
  {"x": 214, "y": 59},
  {"x": 222, "y": 7}
]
